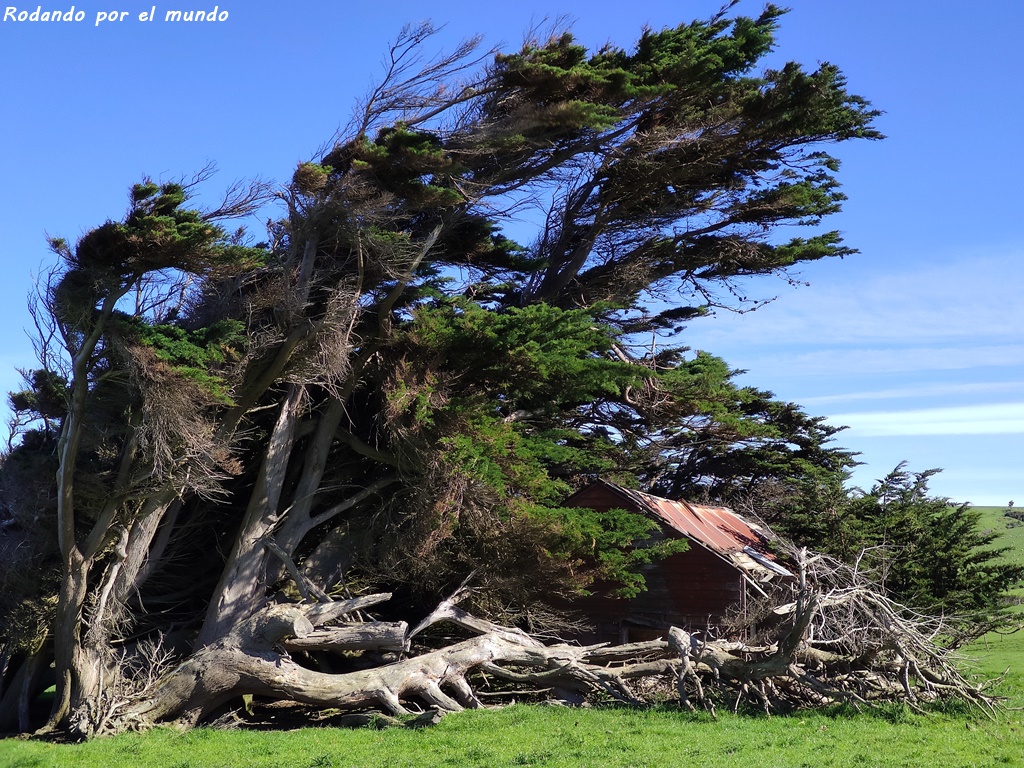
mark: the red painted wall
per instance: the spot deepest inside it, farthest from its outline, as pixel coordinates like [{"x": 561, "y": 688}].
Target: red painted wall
[{"x": 689, "y": 589}]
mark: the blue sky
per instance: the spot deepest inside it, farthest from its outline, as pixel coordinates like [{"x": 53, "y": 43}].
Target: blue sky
[{"x": 916, "y": 343}]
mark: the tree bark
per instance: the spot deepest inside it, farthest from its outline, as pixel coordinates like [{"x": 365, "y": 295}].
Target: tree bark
[
  {"x": 254, "y": 658},
  {"x": 243, "y": 582},
  {"x": 24, "y": 686},
  {"x": 74, "y": 667},
  {"x": 367, "y": 636}
]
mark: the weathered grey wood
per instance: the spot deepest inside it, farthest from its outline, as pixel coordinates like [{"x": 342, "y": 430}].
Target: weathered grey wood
[
  {"x": 448, "y": 611},
  {"x": 247, "y": 662},
  {"x": 324, "y": 613},
  {"x": 368, "y": 636},
  {"x": 254, "y": 659}
]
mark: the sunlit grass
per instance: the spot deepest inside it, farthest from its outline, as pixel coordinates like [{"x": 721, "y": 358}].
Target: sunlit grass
[
  {"x": 1011, "y": 532},
  {"x": 1001, "y": 653},
  {"x": 553, "y": 736}
]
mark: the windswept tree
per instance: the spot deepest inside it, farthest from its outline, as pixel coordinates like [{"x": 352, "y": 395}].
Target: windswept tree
[
  {"x": 391, "y": 392},
  {"x": 129, "y": 396}
]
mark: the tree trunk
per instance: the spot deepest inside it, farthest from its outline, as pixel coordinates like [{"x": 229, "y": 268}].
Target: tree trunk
[
  {"x": 367, "y": 636},
  {"x": 254, "y": 660},
  {"x": 26, "y": 683},
  {"x": 76, "y": 680},
  {"x": 240, "y": 591}
]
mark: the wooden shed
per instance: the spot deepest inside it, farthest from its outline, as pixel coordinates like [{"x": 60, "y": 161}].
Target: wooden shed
[{"x": 727, "y": 562}]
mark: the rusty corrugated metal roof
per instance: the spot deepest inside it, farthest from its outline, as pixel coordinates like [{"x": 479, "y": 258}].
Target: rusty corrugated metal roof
[{"x": 721, "y": 530}]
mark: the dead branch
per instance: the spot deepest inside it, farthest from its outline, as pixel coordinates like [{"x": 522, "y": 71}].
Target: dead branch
[{"x": 879, "y": 651}]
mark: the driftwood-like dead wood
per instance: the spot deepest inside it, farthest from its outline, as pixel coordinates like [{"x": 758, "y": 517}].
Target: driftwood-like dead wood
[
  {"x": 839, "y": 639},
  {"x": 324, "y": 613},
  {"x": 367, "y": 636},
  {"x": 449, "y": 611}
]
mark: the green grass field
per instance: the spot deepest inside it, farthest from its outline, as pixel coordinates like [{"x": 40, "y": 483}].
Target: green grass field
[
  {"x": 999, "y": 653},
  {"x": 554, "y": 736},
  {"x": 1012, "y": 537},
  {"x": 550, "y": 736}
]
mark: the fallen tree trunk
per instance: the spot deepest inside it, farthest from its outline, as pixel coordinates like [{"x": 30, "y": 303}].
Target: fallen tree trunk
[
  {"x": 884, "y": 655},
  {"x": 368, "y": 636},
  {"x": 254, "y": 660}
]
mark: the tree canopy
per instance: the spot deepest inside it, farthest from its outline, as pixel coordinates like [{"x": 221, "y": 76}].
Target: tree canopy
[{"x": 470, "y": 304}]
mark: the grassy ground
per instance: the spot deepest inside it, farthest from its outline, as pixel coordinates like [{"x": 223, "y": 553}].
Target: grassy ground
[
  {"x": 542, "y": 736},
  {"x": 999, "y": 653},
  {"x": 1012, "y": 537},
  {"x": 552, "y": 736}
]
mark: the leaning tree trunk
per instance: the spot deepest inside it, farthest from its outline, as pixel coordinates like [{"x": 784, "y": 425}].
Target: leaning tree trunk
[
  {"x": 242, "y": 585},
  {"x": 77, "y": 666},
  {"x": 84, "y": 627},
  {"x": 24, "y": 685}
]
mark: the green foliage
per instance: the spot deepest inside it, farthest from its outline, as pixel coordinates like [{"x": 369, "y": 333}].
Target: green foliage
[
  {"x": 931, "y": 553},
  {"x": 198, "y": 348},
  {"x": 611, "y": 539},
  {"x": 46, "y": 397},
  {"x": 407, "y": 163},
  {"x": 195, "y": 354},
  {"x": 157, "y": 235},
  {"x": 486, "y": 396},
  {"x": 310, "y": 178},
  {"x": 753, "y": 439},
  {"x": 699, "y": 54},
  {"x": 535, "y": 358},
  {"x": 680, "y": 138}
]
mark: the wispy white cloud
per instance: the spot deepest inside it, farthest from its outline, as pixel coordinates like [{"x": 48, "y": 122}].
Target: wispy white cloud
[
  {"x": 921, "y": 391},
  {"x": 970, "y": 298},
  {"x": 1003, "y": 418},
  {"x": 837, "y": 361}
]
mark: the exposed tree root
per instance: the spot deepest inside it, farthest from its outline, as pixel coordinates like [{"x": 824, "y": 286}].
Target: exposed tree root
[{"x": 877, "y": 651}]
